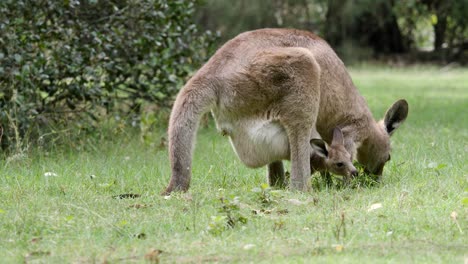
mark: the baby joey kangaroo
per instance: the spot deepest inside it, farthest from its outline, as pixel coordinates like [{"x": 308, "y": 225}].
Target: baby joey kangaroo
[
  {"x": 334, "y": 159},
  {"x": 326, "y": 159}
]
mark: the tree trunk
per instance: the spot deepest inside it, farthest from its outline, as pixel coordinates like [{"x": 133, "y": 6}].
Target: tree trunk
[
  {"x": 376, "y": 27},
  {"x": 381, "y": 31},
  {"x": 439, "y": 29}
]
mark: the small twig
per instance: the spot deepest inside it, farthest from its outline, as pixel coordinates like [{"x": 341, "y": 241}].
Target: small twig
[
  {"x": 111, "y": 16},
  {"x": 453, "y": 215}
]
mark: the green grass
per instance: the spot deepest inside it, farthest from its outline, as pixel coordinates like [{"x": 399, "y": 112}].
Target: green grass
[{"x": 73, "y": 218}]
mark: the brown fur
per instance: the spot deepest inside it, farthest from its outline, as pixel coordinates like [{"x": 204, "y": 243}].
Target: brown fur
[
  {"x": 281, "y": 81},
  {"x": 333, "y": 158}
]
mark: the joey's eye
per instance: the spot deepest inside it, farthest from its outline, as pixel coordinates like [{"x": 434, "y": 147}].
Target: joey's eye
[{"x": 339, "y": 164}]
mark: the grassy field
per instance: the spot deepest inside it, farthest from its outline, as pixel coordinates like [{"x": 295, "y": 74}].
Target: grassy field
[{"x": 62, "y": 206}]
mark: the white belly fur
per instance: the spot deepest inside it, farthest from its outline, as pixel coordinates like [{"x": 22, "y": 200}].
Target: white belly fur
[{"x": 256, "y": 142}]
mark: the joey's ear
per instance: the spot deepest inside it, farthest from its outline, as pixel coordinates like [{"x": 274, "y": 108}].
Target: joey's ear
[
  {"x": 396, "y": 115},
  {"x": 318, "y": 145},
  {"x": 338, "y": 138}
]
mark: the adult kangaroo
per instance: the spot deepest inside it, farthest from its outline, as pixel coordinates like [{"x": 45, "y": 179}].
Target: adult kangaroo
[{"x": 272, "y": 91}]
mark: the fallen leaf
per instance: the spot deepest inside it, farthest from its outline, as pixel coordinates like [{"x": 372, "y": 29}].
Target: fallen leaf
[
  {"x": 278, "y": 225},
  {"x": 126, "y": 196},
  {"x": 140, "y": 236},
  {"x": 374, "y": 207},
  {"x": 315, "y": 200},
  {"x": 153, "y": 255},
  {"x": 268, "y": 211},
  {"x": 256, "y": 211},
  {"x": 38, "y": 254},
  {"x": 282, "y": 211},
  {"x": 454, "y": 216},
  {"x": 106, "y": 185},
  {"x": 36, "y": 239},
  {"x": 249, "y": 246},
  {"x": 339, "y": 248},
  {"x": 139, "y": 206}
]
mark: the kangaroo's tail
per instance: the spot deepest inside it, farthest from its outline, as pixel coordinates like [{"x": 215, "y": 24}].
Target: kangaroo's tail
[{"x": 195, "y": 99}]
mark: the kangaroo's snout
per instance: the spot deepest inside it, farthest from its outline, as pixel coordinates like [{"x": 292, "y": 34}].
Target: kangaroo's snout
[{"x": 354, "y": 173}]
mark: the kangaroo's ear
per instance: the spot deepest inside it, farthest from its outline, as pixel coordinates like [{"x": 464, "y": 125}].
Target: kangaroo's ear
[
  {"x": 318, "y": 145},
  {"x": 338, "y": 138},
  {"x": 396, "y": 115}
]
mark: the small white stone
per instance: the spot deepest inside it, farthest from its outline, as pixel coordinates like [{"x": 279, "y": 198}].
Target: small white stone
[
  {"x": 374, "y": 207},
  {"x": 50, "y": 174},
  {"x": 249, "y": 246}
]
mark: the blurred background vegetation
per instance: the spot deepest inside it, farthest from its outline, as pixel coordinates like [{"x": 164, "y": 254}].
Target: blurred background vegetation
[
  {"x": 68, "y": 67},
  {"x": 421, "y": 30}
]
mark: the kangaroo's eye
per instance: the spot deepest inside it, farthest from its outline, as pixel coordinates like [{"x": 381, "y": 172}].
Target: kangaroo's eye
[
  {"x": 389, "y": 157},
  {"x": 339, "y": 164}
]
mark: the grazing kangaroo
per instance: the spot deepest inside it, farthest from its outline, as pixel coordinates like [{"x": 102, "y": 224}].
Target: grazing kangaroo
[
  {"x": 272, "y": 91},
  {"x": 334, "y": 158}
]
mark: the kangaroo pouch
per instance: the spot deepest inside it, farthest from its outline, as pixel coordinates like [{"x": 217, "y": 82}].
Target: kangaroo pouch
[{"x": 257, "y": 142}]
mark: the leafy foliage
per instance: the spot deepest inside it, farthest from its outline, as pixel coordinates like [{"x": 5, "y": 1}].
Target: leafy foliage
[
  {"x": 229, "y": 217},
  {"x": 63, "y": 60},
  {"x": 265, "y": 195},
  {"x": 449, "y": 35}
]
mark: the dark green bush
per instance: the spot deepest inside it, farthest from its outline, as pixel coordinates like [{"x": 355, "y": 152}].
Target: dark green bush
[{"x": 73, "y": 61}]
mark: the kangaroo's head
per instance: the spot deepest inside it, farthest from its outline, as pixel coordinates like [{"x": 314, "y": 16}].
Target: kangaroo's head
[
  {"x": 334, "y": 158},
  {"x": 375, "y": 150}
]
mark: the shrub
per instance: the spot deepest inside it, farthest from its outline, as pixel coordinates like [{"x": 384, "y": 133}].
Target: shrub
[{"x": 70, "y": 60}]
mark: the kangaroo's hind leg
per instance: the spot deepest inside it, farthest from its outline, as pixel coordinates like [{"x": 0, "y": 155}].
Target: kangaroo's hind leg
[{"x": 276, "y": 174}]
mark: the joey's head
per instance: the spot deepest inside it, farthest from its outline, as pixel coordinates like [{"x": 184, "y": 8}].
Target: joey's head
[
  {"x": 375, "y": 150},
  {"x": 333, "y": 158}
]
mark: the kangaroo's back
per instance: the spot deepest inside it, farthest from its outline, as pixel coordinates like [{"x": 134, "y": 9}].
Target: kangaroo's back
[
  {"x": 237, "y": 53},
  {"x": 340, "y": 101}
]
